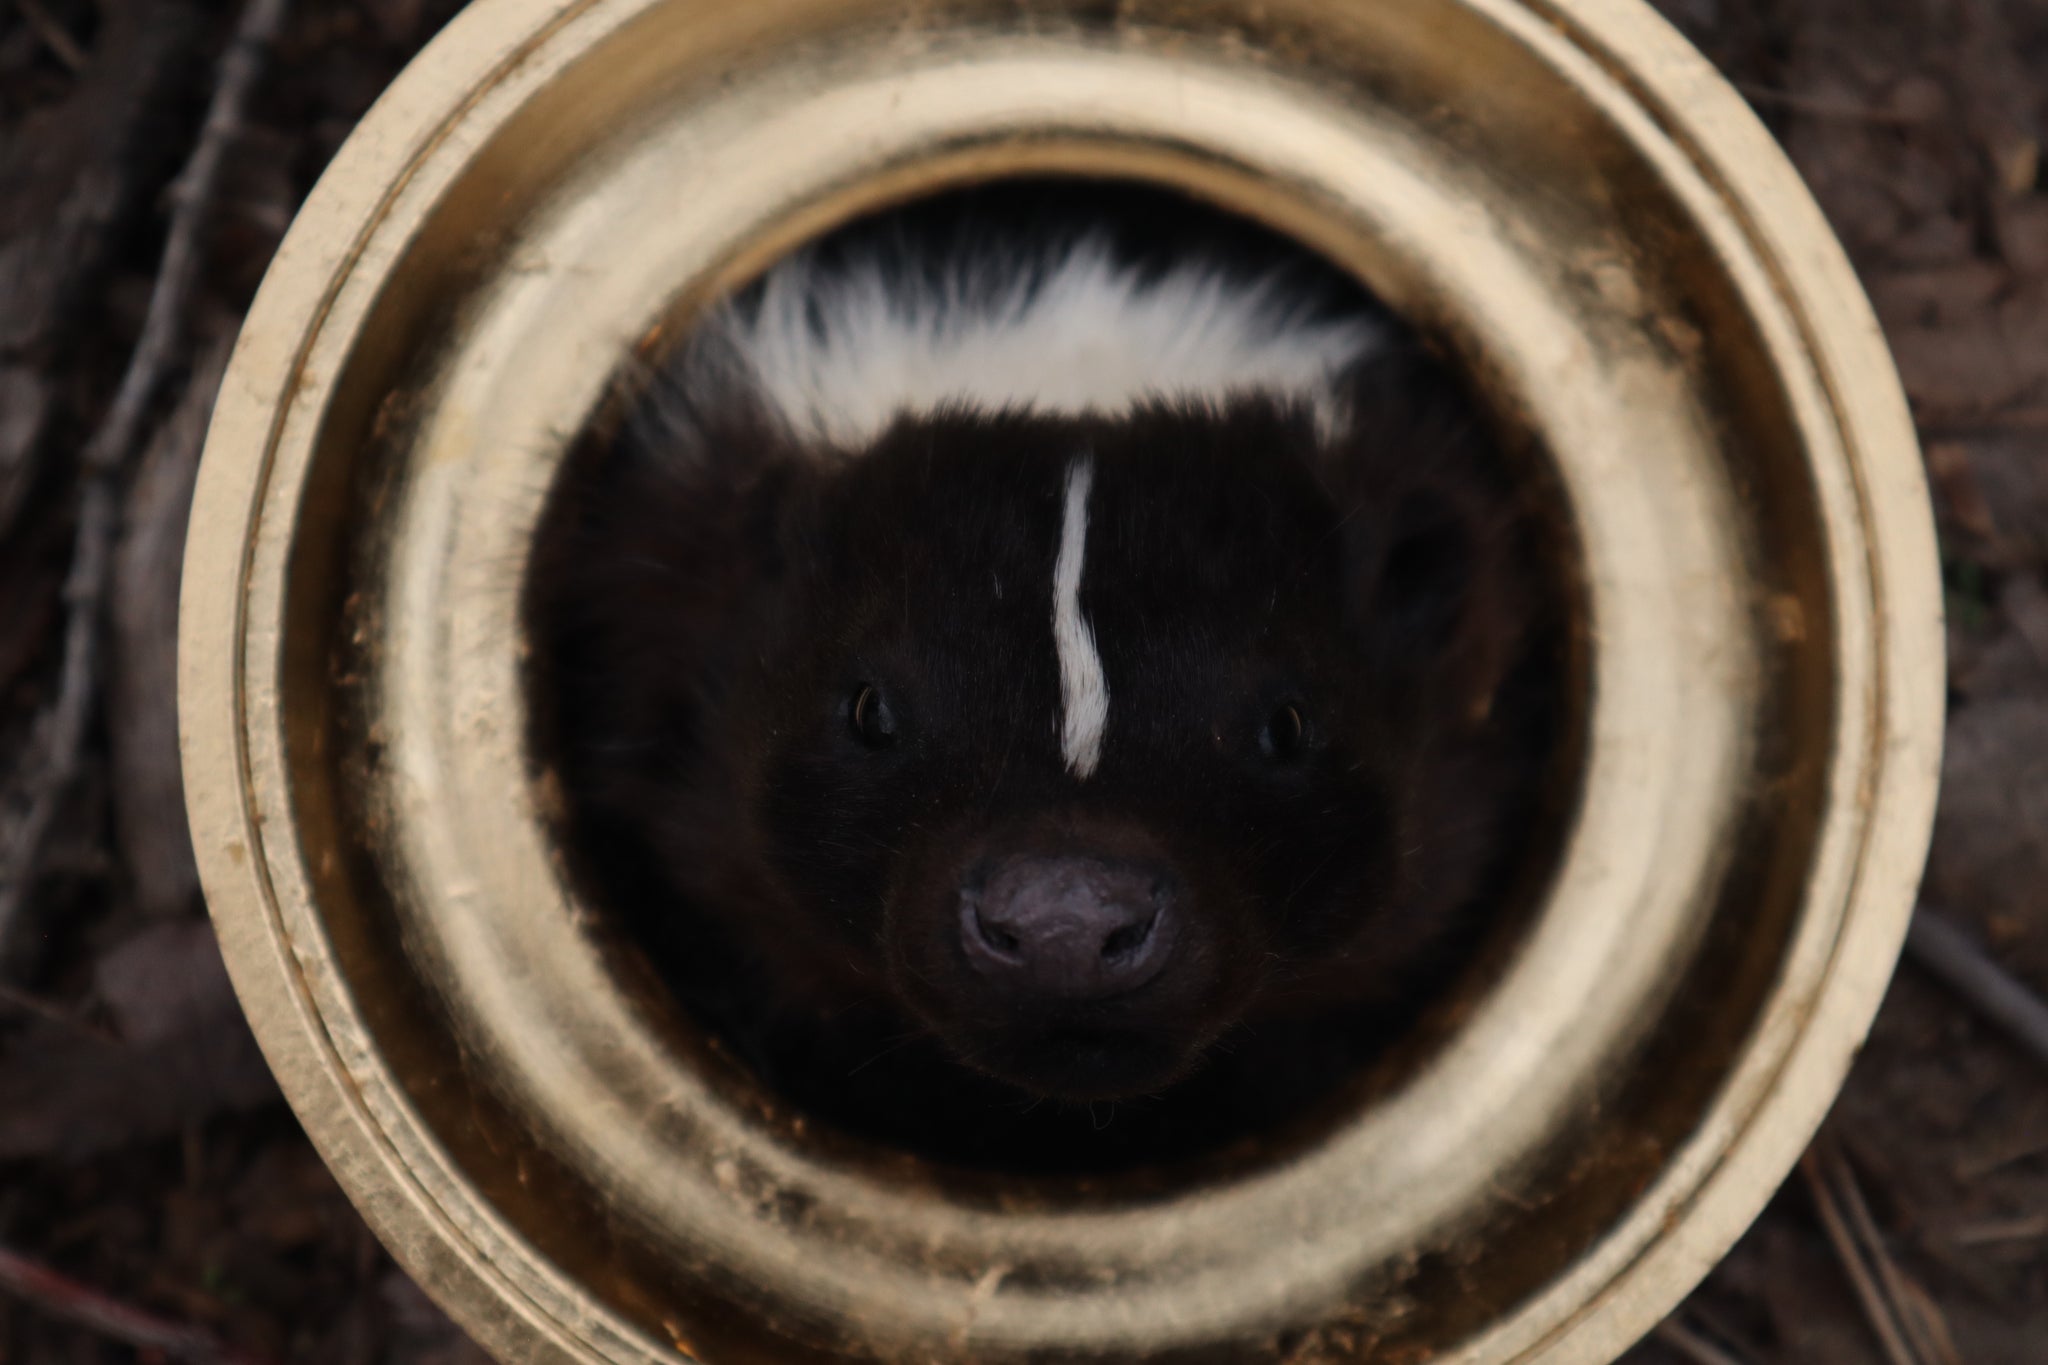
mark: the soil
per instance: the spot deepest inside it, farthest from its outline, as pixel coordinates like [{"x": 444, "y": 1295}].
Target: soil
[{"x": 144, "y": 1153}]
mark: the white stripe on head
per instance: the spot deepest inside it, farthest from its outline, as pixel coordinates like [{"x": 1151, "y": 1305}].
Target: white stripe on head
[
  {"x": 839, "y": 352},
  {"x": 1084, "y": 693}
]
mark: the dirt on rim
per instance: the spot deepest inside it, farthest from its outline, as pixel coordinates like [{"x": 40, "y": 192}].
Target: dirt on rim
[{"x": 158, "y": 1202}]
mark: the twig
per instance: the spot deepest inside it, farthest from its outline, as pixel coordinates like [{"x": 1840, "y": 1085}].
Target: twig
[
  {"x": 1815, "y": 106},
  {"x": 1948, "y": 955},
  {"x": 63, "y": 1297},
  {"x": 1877, "y": 1310},
  {"x": 52, "y": 33},
  {"x": 1976, "y": 1167},
  {"x": 106, "y": 456},
  {"x": 2026, "y": 605},
  {"x": 24, "y": 1002},
  {"x": 141, "y": 671},
  {"x": 1690, "y": 1344},
  {"x": 1914, "y": 1310},
  {"x": 2030, "y": 1227},
  {"x": 1957, "y": 423}
]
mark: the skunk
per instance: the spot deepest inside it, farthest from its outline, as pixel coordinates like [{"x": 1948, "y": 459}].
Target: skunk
[{"x": 1007, "y": 655}]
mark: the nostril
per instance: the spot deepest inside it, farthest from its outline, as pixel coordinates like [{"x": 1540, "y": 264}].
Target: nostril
[
  {"x": 999, "y": 939},
  {"x": 1126, "y": 941}
]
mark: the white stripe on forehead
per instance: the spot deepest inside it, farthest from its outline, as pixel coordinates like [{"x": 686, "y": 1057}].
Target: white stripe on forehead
[
  {"x": 838, "y": 352},
  {"x": 1084, "y": 692}
]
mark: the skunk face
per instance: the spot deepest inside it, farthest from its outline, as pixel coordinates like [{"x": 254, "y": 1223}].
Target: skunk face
[
  {"x": 1058, "y": 733},
  {"x": 1068, "y": 717}
]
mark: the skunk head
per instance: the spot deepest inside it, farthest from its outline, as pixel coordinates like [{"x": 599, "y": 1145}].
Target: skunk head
[
  {"x": 1062, "y": 732},
  {"x": 1075, "y": 737}
]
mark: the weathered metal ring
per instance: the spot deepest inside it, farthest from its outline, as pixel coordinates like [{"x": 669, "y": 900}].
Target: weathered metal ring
[{"x": 1560, "y": 189}]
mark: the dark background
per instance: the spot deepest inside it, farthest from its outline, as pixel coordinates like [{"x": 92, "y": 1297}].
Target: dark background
[{"x": 144, "y": 1154}]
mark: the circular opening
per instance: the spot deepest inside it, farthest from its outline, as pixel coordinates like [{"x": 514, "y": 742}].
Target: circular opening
[
  {"x": 1559, "y": 196},
  {"x": 824, "y": 607}
]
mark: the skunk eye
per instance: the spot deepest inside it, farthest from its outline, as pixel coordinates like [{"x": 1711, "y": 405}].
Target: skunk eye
[
  {"x": 869, "y": 717},
  {"x": 1285, "y": 734}
]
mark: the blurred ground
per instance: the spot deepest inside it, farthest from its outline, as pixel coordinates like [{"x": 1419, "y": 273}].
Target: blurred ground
[{"x": 143, "y": 1151}]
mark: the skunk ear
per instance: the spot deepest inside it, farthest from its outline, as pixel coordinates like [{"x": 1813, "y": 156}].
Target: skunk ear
[{"x": 1439, "y": 581}]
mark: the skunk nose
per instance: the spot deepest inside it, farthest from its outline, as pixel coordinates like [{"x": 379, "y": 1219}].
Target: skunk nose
[{"x": 1070, "y": 928}]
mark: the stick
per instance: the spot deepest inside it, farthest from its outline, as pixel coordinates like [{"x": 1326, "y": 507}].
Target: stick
[
  {"x": 52, "y": 33},
  {"x": 1960, "y": 422},
  {"x": 2026, "y": 1228},
  {"x": 63, "y": 1297},
  {"x": 1910, "y": 1306},
  {"x": 1690, "y": 1344},
  {"x": 23, "y": 1002},
  {"x": 1822, "y": 108},
  {"x": 1876, "y": 1311},
  {"x": 2026, "y": 606},
  {"x": 1950, "y": 957},
  {"x": 105, "y": 458},
  {"x": 1976, "y": 1167},
  {"x": 141, "y": 673}
]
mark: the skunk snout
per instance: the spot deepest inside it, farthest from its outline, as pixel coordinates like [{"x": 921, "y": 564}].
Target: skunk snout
[
  {"x": 1069, "y": 928},
  {"x": 1072, "y": 955}
]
